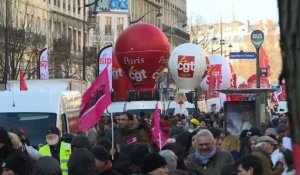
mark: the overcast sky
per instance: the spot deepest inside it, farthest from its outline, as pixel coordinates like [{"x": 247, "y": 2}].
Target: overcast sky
[{"x": 212, "y": 10}]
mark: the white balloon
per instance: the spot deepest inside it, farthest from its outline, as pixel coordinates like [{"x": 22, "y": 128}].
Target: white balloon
[
  {"x": 225, "y": 72},
  {"x": 187, "y": 65},
  {"x": 240, "y": 80}
]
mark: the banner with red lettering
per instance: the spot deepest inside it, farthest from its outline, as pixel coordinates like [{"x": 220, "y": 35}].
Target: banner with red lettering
[
  {"x": 105, "y": 60},
  {"x": 94, "y": 101},
  {"x": 214, "y": 80},
  {"x": 43, "y": 63}
]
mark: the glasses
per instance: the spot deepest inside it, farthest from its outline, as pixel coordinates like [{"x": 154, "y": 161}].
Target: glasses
[
  {"x": 122, "y": 119},
  {"x": 204, "y": 144}
]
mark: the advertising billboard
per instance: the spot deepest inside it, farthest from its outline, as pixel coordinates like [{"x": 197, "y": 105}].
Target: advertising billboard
[{"x": 239, "y": 115}]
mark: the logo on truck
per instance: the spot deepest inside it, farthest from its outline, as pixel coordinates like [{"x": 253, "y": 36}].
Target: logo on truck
[{"x": 186, "y": 66}]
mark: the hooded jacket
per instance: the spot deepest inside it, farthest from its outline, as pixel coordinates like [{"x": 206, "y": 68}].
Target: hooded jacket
[
  {"x": 7, "y": 149},
  {"x": 131, "y": 134},
  {"x": 46, "y": 166}
]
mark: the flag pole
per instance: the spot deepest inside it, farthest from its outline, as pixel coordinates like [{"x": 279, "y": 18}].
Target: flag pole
[{"x": 112, "y": 135}]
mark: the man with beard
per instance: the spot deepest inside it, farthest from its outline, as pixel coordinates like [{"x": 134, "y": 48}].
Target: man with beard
[
  {"x": 207, "y": 159},
  {"x": 128, "y": 131},
  {"x": 56, "y": 148}
]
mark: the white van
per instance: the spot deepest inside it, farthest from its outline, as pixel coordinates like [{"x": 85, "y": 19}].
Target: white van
[
  {"x": 36, "y": 111},
  {"x": 135, "y": 107}
]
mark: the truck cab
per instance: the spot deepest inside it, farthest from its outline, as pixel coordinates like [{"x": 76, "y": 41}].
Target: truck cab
[{"x": 36, "y": 111}]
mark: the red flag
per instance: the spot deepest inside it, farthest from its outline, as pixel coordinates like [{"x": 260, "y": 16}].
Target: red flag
[
  {"x": 23, "y": 86},
  {"x": 94, "y": 101},
  {"x": 264, "y": 60},
  {"x": 215, "y": 80},
  {"x": 159, "y": 137}
]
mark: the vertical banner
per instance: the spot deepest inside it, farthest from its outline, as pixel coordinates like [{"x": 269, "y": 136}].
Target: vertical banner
[
  {"x": 43, "y": 64},
  {"x": 105, "y": 60},
  {"x": 215, "y": 80},
  {"x": 94, "y": 101},
  {"x": 23, "y": 86}
]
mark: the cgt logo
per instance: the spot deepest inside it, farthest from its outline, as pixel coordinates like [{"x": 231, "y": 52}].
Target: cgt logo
[
  {"x": 137, "y": 75},
  {"x": 186, "y": 66},
  {"x": 117, "y": 73}
]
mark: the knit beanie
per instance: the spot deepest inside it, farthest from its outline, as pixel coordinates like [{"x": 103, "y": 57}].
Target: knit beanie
[
  {"x": 100, "y": 153},
  {"x": 151, "y": 162},
  {"x": 81, "y": 162},
  {"x": 53, "y": 130},
  {"x": 18, "y": 163},
  {"x": 80, "y": 141}
]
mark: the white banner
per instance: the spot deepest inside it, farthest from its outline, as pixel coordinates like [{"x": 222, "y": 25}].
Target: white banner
[
  {"x": 44, "y": 67},
  {"x": 105, "y": 60}
]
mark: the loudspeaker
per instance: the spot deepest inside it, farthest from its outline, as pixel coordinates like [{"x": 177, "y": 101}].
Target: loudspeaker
[
  {"x": 131, "y": 95},
  {"x": 190, "y": 96}
]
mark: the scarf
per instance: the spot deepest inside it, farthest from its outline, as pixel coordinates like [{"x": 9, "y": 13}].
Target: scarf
[
  {"x": 205, "y": 158},
  {"x": 107, "y": 166}
]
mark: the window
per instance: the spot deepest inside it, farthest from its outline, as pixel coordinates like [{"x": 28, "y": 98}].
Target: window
[
  {"x": 58, "y": 3},
  {"x": 78, "y": 2},
  {"x": 74, "y": 10},
  {"x": 79, "y": 42},
  {"x": 54, "y": 2},
  {"x": 64, "y": 4},
  {"x": 107, "y": 25},
  {"x": 74, "y": 40},
  {"x": 120, "y": 25}
]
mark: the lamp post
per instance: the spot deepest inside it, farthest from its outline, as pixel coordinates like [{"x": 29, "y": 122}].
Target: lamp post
[
  {"x": 84, "y": 36},
  {"x": 158, "y": 15},
  {"x": 7, "y": 28}
]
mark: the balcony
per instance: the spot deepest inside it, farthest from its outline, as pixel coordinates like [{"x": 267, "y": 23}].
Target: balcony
[{"x": 176, "y": 32}]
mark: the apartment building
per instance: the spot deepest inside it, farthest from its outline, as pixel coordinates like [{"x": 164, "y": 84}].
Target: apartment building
[{"x": 112, "y": 19}]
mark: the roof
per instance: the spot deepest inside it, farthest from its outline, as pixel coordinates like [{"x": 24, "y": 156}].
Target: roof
[{"x": 246, "y": 91}]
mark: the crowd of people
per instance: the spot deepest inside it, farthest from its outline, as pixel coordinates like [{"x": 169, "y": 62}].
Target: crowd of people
[{"x": 124, "y": 145}]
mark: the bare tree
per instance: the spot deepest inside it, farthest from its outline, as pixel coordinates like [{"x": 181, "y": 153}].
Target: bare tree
[
  {"x": 200, "y": 32},
  {"x": 289, "y": 20},
  {"x": 25, "y": 41}
]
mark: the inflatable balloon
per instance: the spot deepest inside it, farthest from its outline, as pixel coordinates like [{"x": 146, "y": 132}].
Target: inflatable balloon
[
  {"x": 187, "y": 65},
  {"x": 120, "y": 82},
  {"x": 142, "y": 51},
  {"x": 241, "y": 82},
  {"x": 219, "y": 69},
  {"x": 264, "y": 82}
]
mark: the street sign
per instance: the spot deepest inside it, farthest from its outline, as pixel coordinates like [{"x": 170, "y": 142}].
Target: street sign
[
  {"x": 257, "y": 38},
  {"x": 263, "y": 72},
  {"x": 242, "y": 55}
]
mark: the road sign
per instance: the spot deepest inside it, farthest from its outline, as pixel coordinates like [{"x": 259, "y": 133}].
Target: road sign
[
  {"x": 242, "y": 55},
  {"x": 257, "y": 38},
  {"x": 263, "y": 72}
]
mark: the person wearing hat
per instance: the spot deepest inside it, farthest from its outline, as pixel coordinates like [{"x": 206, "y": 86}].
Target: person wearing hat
[
  {"x": 103, "y": 163},
  {"x": 270, "y": 146},
  {"x": 80, "y": 141},
  {"x": 82, "y": 162},
  {"x": 16, "y": 164},
  {"x": 194, "y": 123},
  {"x": 56, "y": 148},
  {"x": 154, "y": 164}
]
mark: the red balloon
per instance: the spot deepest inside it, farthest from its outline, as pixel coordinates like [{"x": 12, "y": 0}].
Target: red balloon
[
  {"x": 142, "y": 51},
  {"x": 264, "y": 81},
  {"x": 120, "y": 82}
]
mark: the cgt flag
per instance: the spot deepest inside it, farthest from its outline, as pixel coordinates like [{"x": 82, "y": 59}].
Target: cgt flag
[
  {"x": 94, "y": 101},
  {"x": 23, "y": 85}
]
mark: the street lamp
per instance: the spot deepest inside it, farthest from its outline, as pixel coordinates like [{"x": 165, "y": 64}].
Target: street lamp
[
  {"x": 158, "y": 15},
  {"x": 184, "y": 25},
  {"x": 84, "y": 36},
  {"x": 222, "y": 42}
]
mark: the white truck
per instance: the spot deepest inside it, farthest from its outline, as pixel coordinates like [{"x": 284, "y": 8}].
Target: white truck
[{"x": 39, "y": 108}]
